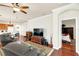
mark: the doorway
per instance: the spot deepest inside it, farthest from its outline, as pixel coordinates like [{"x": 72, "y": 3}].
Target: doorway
[{"x": 69, "y": 34}]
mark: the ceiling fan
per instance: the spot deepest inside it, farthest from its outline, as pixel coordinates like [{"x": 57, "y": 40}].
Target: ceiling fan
[{"x": 17, "y": 7}]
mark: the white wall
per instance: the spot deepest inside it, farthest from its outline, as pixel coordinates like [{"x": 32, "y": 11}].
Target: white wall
[
  {"x": 44, "y": 22},
  {"x": 16, "y": 28},
  {"x": 23, "y": 29},
  {"x": 10, "y": 29},
  {"x": 71, "y": 23}
]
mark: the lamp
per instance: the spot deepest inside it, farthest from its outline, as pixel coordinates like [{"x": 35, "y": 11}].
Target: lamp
[{"x": 10, "y": 23}]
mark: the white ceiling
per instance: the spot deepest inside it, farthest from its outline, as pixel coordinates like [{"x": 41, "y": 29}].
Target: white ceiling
[{"x": 35, "y": 10}]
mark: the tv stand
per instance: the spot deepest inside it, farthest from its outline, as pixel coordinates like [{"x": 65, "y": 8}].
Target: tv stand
[{"x": 37, "y": 39}]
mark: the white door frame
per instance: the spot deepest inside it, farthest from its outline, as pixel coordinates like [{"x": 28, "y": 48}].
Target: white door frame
[
  {"x": 76, "y": 21},
  {"x": 75, "y": 29},
  {"x": 57, "y": 23}
]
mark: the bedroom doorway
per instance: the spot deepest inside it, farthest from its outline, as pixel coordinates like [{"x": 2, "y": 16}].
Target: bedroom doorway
[{"x": 69, "y": 34}]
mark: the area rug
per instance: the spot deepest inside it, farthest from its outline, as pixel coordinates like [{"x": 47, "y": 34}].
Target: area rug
[{"x": 46, "y": 50}]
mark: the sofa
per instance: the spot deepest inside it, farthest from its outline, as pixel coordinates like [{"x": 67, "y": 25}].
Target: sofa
[{"x": 6, "y": 38}]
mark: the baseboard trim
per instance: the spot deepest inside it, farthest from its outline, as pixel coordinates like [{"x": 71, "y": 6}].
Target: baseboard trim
[
  {"x": 57, "y": 48},
  {"x": 77, "y": 52},
  {"x": 50, "y": 52}
]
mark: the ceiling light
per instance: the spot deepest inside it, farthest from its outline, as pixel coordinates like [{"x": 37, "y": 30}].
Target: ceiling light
[{"x": 16, "y": 9}]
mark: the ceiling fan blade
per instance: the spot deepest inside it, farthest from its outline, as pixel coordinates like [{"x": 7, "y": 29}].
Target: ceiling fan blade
[
  {"x": 24, "y": 7},
  {"x": 5, "y": 5},
  {"x": 13, "y": 4},
  {"x": 23, "y": 11}
]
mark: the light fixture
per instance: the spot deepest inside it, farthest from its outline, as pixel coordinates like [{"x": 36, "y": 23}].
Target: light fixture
[{"x": 16, "y": 9}]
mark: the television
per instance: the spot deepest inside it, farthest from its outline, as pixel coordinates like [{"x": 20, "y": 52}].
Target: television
[{"x": 38, "y": 32}]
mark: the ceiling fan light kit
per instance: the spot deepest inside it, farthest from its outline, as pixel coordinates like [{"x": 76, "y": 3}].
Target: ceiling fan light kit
[{"x": 17, "y": 7}]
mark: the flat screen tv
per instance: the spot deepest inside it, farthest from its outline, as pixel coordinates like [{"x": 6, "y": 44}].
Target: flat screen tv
[{"x": 38, "y": 32}]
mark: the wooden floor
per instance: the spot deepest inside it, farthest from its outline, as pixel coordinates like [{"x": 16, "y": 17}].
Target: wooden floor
[{"x": 66, "y": 50}]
